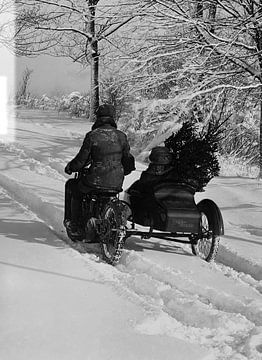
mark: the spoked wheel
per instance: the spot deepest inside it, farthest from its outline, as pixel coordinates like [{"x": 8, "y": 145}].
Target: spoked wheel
[
  {"x": 113, "y": 234},
  {"x": 207, "y": 246}
]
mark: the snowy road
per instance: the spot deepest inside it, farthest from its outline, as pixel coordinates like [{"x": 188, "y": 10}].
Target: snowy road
[
  {"x": 201, "y": 310},
  {"x": 54, "y": 306}
]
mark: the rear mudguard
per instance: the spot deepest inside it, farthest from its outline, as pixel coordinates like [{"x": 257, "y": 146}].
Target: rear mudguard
[{"x": 209, "y": 206}]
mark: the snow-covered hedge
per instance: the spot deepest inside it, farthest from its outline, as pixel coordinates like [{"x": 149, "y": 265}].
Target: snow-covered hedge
[
  {"x": 75, "y": 103},
  {"x": 149, "y": 123},
  {"x": 241, "y": 139}
]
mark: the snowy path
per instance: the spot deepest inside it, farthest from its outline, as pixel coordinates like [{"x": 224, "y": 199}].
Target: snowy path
[
  {"x": 54, "y": 306},
  {"x": 44, "y": 148},
  {"x": 175, "y": 294}
]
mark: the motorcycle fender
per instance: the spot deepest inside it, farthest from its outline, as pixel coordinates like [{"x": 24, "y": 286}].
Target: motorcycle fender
[{"x": 215, "y": 213}]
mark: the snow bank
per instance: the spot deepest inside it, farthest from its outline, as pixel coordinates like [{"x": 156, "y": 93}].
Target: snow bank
[{"x": 237, "y": 261}]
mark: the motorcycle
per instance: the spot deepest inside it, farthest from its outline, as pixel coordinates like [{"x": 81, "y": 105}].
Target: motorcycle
[
  {"x": 168, "y": 211},
  {"x": 103, "y": 221}
]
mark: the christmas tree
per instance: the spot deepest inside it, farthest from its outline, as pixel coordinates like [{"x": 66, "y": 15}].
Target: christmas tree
[{"x": 195, "y": 153}]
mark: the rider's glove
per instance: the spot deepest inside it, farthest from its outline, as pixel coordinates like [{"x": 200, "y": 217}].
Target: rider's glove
[{"x": 68, "y": 170}]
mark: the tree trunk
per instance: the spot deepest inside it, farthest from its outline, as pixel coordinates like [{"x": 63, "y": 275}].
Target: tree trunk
[
  {"x": 199, "y": 9},
  {"x": 94, "y": 92},
  {"x": 259, "y": 48},
  {"x": 212, "y": 15},
  {"x": 94, "y": 96}
]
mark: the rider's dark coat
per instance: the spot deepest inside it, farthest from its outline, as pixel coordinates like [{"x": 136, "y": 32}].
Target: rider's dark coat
[{"x": 107, "y": 149}]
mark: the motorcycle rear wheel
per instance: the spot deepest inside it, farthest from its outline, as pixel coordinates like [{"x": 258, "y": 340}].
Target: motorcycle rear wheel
[{"x": 112, "y": 241}]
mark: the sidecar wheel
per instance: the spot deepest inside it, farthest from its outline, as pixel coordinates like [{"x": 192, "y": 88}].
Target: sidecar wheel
[{"x": 207, "y": 246}]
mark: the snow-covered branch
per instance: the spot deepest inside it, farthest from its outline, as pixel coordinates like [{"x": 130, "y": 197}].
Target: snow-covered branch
[{"x": 65, "y": 29}]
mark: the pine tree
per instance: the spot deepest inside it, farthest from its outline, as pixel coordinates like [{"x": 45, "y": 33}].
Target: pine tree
[{"x": 195, "y": 153}]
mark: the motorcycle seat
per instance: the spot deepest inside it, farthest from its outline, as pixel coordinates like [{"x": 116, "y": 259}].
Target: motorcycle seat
[{"x": 104, "y": 192}]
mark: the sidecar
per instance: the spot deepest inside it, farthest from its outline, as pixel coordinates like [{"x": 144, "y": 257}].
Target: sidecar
[{"x": 170, "y": 212}]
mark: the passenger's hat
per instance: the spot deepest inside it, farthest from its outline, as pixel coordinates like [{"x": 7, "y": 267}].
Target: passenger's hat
[{"x": 160, "y": 155}]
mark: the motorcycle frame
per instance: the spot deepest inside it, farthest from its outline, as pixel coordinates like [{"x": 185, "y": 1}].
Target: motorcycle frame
[{"x": 170, "y": 236}]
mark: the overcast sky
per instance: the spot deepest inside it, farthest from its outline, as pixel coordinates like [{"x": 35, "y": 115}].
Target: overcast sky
[
  {"x": 50, "y": 75},
  {"x": 53, "y": 75},
  {"x": 7, "y": 67}
]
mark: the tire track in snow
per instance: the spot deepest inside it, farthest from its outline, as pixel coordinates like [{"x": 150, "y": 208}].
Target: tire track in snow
[
  {"x": 36, "y": 162},
  {"x": 234, "y": 260},
  {"x": 73, "y": 134},
  {"x": 242, "y": 277},
  {"x": 177, "y": 306},
  {"x": 138, "y": 265},
  {"x": 201, "y": 314}
]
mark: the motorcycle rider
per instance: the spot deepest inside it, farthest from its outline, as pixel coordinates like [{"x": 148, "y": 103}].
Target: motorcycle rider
[{"x": 107, "y": 151}]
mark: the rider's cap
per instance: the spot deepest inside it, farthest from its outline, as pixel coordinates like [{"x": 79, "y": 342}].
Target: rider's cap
[
  {"x": 106, "y": 110},
  {"x": 160, "y": 155}
]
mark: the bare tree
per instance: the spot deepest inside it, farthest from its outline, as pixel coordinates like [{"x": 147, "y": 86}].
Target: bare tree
[
  {"x": 236, "y": 39},
  {"x": 22, "y": 91},
  {"x": 7, "y": 18},
  {"x": 71, "y": 28}
]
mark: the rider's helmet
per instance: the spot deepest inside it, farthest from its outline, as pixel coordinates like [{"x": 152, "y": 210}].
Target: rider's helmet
[{"x": 160, "y": 155}]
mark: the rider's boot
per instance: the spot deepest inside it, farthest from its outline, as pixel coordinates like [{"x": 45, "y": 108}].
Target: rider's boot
[
  {"x": 90, "y": 231},
  {"x": 74, "y": 228}
]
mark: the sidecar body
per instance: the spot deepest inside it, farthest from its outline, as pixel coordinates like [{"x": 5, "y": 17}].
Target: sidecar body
[
  {"x": 166, "y": 207},
  {"x": 171, "y": 213}
]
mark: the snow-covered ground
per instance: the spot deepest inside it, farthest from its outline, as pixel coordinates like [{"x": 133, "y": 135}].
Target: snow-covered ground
[{"x": 58, "y": 300}]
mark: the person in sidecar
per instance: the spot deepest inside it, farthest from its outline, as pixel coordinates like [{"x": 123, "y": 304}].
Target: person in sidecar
[
  {"x": 107, "y": 152},
  {"x": 160, "y": 169}
]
